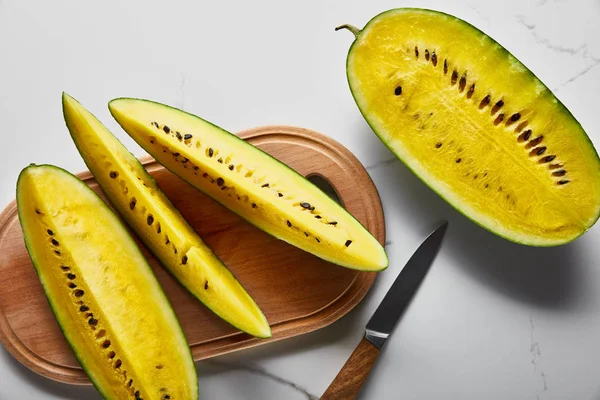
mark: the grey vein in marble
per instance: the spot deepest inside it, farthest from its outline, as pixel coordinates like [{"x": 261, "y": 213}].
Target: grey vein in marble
[
  {"x": 579, "y": 50},
  {"x": 536, "y": 354},
  {"x": 256, "y": 370},
  {"x": 482, "y": 15},
  {"x": 578, "y": 75},
  {"x": 546, "y": 42}
]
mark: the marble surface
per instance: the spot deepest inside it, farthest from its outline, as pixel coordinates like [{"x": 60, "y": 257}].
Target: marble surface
[{"x": 493, "y": 320}]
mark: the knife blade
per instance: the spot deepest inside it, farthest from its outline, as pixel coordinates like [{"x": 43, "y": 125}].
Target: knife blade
[
  {"x": 353, "y": 374},
  {"x": 401, "y": 292}
]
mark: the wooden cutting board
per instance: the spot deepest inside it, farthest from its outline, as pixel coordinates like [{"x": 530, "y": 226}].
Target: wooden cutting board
[{"x": 297, "y": 291}]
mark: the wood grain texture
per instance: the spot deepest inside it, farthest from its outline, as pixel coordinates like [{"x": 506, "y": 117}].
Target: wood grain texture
[
  {"x": 352, "y": 376},
  {"x": 297, "y": 291}
]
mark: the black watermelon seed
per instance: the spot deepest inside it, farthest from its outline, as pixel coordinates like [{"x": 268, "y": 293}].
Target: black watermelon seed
[
  {"x": 206, "y": 285},
  {"x": 535, "y": 141},
  {"x": 50, "y": 232},
  {"x": 57, "y": 252},
  {"x": 210, "y": 152},
  {"x": 175, "y": 154},
  {"x": 38, "y": 212},
  {"x": 562, "y": 172},
  {"x": 499, "y": 119},
  {"x": 72, "y": 285},
  {"x": 55, "y": 242},
  {"x": 253, "y": 205},
  {"x": 563, "y": 182},
  {"x": 154, "y": 124},
  {"x": 167, "y": 241},
  {"x": 485, "y": 101},
  {"x": 166, "y": 129},
  {"x": 159, "y": 366},
  {"x": 196, "y": 168},
  {"x": 541, "y": 150},
  {"x": 398, "y": 90},
  {"x": 497, "y": 106},
  {"x": 306, "y": 233},
  {"x": 187, "y": 136},
  {"x": 427, "y": 54},
  {"x": 280, "y": 194},
  {"x": 515, "y": 117},
  {"x": 462, "y": 83},
  {"x": 184, "y": 160},
  {"x": 470, "y": 92},
  {"x": 231, "y": 167},
  {"x": 106, "y": 344},
  {"x": 434, "y": 59},
  {"x": 204, "y": 175},
  {"x": 220, "y": 160},
  {"x": 445, "y": 66},
  {"x": 132, "y": 203},
  {"x": 525, "y": 135},
  {"x": 137, "y": 393},
  {"x": 348, "y": 243},
  {"x": 318, "y": 217},
  {"x": 158, "y": 229},
  {"x": 93, "y": 321},
  {"x": 64, "y": 268},
  {"x": 438, "y": 145},
  {"x": 265, "y": 185},
  {"x": 178, "y": 135},
  {"x": 184, "y": 260},
  {"x": 71, "y": 276},
  {"x": 111, "y": 355},
  {"x": 416, "y": 51},
  {"x": 333, "y": 223},
  {"x": 458, "y": 160},
  {"x": 317, "y": 239},
  {"x": 454, "y": 77},
  {"x": 150, "y": 219},
  {"x": 130, "y": 383},
  {"x": 113, "y": 174},
  {"x": 487, "y": 185},
  {"x": 84, "y": 308},
  {"x": 118, "y": 364},
  {"x": 289, "y": 224},
  {"x": 220, "y": 181},
  {"x": 305, "y": 205},
  {"x": 174, "y": 250},
  {"x": 166, "y": 397}
]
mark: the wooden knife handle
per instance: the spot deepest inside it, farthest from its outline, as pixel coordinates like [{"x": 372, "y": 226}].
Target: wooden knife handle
[{"x": 352, "y": 376}]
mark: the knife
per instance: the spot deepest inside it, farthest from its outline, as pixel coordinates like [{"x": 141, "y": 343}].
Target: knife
[{"x": 353, "y": 374}]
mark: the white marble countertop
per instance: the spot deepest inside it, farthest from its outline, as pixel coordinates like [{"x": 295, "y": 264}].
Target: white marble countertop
[{"x": 493, "y": 320}]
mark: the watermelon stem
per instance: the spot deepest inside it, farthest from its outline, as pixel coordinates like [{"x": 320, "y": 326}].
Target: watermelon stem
[{"x": 351, "y": 28}]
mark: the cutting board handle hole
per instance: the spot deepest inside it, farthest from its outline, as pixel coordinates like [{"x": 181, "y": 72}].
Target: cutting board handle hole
[{"x": 322, "y": 183}]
